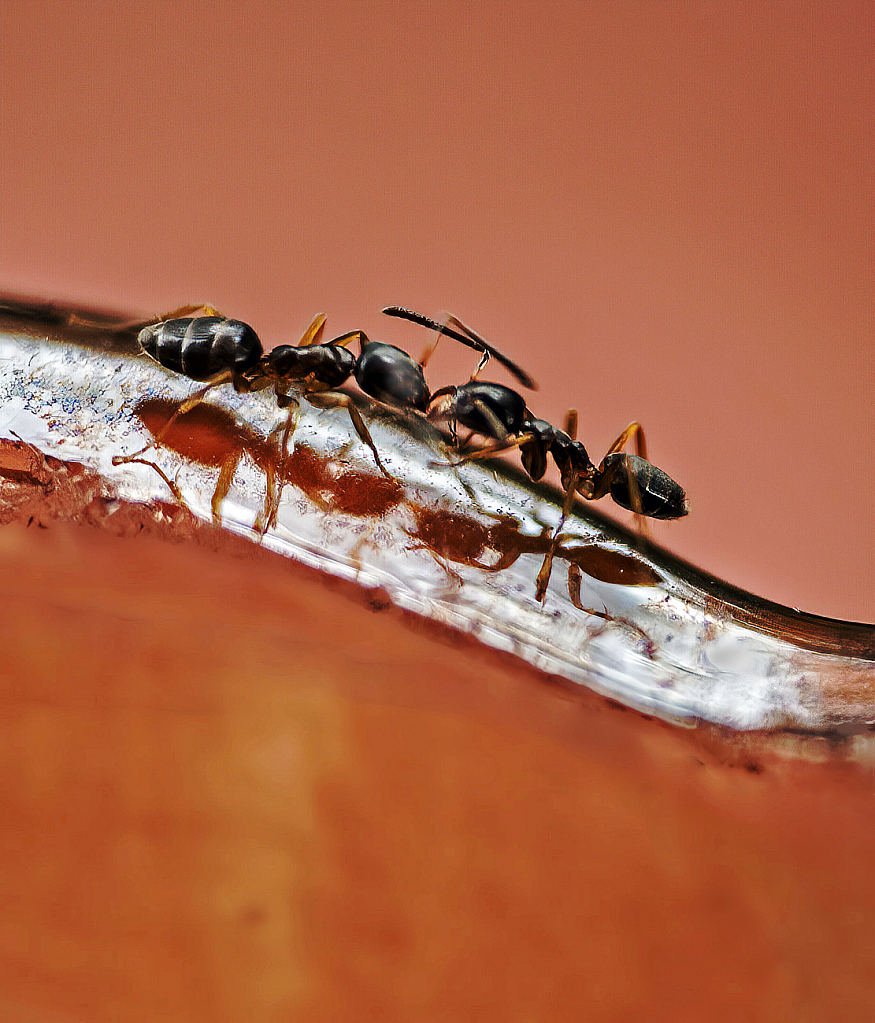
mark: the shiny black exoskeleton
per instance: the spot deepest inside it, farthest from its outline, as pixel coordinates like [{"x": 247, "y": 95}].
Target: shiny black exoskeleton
[
  {"x": 653, "y": 493},
  {"x": 202, "y": 347},
  {"x": 390, "y": 375},
  {"x": 500, "y": 414},
  {"x": 331, "y": 364},
  {"x": 382, "y": 371},
  {"x": 490, "y": 409},
  {"x": 569, "y": 454}
]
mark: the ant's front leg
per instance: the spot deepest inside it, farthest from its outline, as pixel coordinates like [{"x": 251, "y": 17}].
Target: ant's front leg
[
  {"x": 336, "y": 399},
  {"x": 501, "y": 441},
  {"x": 493, "y": 448}
]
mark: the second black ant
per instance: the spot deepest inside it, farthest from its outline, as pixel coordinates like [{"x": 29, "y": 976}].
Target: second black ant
[{"x": 500, "y": 414}]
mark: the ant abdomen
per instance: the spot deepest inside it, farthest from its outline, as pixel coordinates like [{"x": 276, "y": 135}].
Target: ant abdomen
[
  {"x": 203, "y": 346},
  {"x": 654, "y": 493}
]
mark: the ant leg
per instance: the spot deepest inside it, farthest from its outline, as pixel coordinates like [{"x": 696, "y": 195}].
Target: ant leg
[
  {"x": 636, "y": 430},
  {"x": 313, "y": 333},
  {"x": 201, "y": 308},
  {"x": 272, "y": 499},
  {"x": 574, "y": 580},
  {"x": 229, "y": 467},
  {"x": 285, "y": 400},
  {"x": 350, "y": 335},
  {"x": 267, "y": 517},
  {"x": 493, "y": 448},
  {"x": 501, "y": 439},
  {"x": 570, "y": 488},
  {"x": 602, "y": 486},
  {"x": 334, "y": 399},
  {"x": 604, "y": 478},
  {"x": 174, "y": 489},
  {"x": 441, "y": 561},
  {"x": 543, "y": 579}
]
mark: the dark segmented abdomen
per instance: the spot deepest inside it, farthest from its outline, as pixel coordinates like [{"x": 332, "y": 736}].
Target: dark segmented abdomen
[
  {"x": 202, "y": 346},
  {"x": 656, "y": 494}
]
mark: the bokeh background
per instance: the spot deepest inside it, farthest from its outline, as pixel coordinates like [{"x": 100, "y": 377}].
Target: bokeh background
[{"x": 663, "y": 209}]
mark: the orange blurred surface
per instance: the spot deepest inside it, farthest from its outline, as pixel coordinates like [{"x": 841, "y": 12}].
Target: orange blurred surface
[
  {"x": 663, "y": 209},
  {"x": 233, "y": 792}
]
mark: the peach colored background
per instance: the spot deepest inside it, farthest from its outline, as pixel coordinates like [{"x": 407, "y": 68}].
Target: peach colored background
[{"x": 662, "y": 208}]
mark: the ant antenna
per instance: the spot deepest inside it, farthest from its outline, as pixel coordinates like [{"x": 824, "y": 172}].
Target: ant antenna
[{"x": 469, "y": 338}]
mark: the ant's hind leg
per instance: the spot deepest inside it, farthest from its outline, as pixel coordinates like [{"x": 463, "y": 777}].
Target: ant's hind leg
[
  {"x": 334, "y": 399},
  {"x": 606, "y": 476},
  {"x": 636, "y": 430},
  {"x": 501, "y": 440},
  {"x": 492, "y": 449}
]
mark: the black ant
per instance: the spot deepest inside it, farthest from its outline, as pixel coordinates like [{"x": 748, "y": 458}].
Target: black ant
[
  {"x": 500, "y": 414},
  {"x": 215, "y": 350}
]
